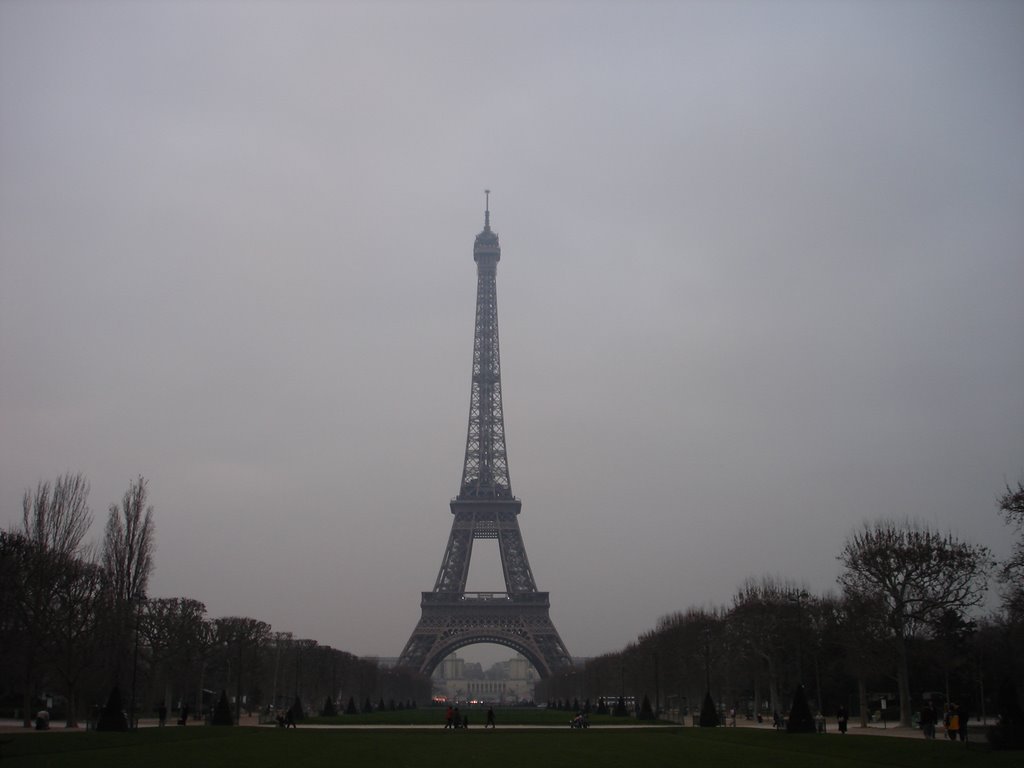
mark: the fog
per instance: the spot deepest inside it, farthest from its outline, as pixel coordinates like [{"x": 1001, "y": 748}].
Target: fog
[{"x": 760, "y": 281}]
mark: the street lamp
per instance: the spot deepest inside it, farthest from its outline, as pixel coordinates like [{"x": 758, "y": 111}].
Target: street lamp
[
  {"x": 139, "y": 600},
  {"x": 799, "y": 598},
  {"x": 238, "y": 690}
]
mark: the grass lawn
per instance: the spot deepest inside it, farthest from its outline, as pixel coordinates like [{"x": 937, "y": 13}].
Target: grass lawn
[
  {"x": 278, "y": 748},
  {"x": 477, "y": 717}
]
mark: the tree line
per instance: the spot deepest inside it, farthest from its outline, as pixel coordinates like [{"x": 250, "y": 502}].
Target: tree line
[
  {"x": 78, "y": 629},
  {"x": 906, "y": 623}
]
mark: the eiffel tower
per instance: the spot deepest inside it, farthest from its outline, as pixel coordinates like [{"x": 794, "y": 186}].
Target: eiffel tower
[{"x": 485, "y": 508}]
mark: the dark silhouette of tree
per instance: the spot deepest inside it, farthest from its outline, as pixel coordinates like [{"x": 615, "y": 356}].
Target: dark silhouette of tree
[
  {"x": 78, "y": 604},
  {"x": 57, "y": 516},
  {"x": 620, "y": 708},
  {"x": 351, "y": 708},
  {"x": 242, "y": 638},
  {"x": 55, "y": 519},
  {"x": 127, "y": 560},
  {"x": 917, "y": 573},
  {"x": 765, "y": 625},
  {"x": 128, "y": 544},
  {"x": 177, "y": 635},
  {"x": 864, "y": 642},
  {"x": 329, "y": 709},
  {"x": 1011, "y": 572}
]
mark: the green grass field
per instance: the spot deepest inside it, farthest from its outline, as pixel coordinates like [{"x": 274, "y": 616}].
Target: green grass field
[
  {"x": 273, "y": 748},
  {"x": 477, "y": 717}
]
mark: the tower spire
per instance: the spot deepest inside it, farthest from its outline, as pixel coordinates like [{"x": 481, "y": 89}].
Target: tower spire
[{"x": 487, "y": 210}]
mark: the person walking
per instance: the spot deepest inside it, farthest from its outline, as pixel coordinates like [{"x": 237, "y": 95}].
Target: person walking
[
  {"x": 490, "y": 718},
  {"x": 952, "y": 722},
  {"x": 448, "y": 718},
  {"x": 928, "y": 718},
  {"x": 842, "y": 718}
]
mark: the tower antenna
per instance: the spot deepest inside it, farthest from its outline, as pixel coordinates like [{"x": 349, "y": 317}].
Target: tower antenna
[{"x": 487, "y": 209}]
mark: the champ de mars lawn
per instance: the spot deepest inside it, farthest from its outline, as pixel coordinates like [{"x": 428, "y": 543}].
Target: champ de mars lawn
[{"x": 518, "y": 747}]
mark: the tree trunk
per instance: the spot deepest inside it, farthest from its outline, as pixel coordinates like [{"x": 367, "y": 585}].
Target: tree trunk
[
  {"x": 27, "y": 706},
  {"x": 773, "y": 688},
  {"x": 72, "y": 721},
  {"x": 862, "y": 699},
  {"x": 904, "y": 684}
]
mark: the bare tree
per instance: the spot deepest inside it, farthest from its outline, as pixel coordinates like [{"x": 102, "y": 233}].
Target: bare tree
[
  {"x": 55, "y": 519},
  {"x": 77, "y": 608},
  {"x": 174, "y": 632},
  {"x": 918, "y": 574},
  {"x": 127, "y": 561},
  {"x": 1011, "y": 573},
  {"x": 765, "y": 621},
  {"x": 242, "y": 639},
  {"x": 128, "y": 545},
  {"x": 865, "y": 641}
]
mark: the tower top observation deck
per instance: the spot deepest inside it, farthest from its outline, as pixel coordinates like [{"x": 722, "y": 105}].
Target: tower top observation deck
[{"x": 486, "y": 244}]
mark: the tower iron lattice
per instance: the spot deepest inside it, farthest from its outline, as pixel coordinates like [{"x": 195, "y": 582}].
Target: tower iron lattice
[{"x": 485, "y": 508}]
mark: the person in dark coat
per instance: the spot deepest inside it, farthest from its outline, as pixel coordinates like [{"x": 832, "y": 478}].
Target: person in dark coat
[
  {"x": 928, "y": 718},
  {"x": 842, "y": 718}
]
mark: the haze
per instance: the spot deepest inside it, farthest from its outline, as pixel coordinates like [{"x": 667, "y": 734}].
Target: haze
[{"x": 760, "y": 281}]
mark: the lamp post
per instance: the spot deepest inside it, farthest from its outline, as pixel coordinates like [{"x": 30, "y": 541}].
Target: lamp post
[
  {"x": 657, "y": 691},
  {"x": 139, "y": 599},
  {"x": 238, "y": 690},
  {"x": 799, "y": 599}
]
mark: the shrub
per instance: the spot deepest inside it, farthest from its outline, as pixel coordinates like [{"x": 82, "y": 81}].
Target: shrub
[
  {"x": 800, "y": 718},
  {"x": 708, "y": 713},
  {"x": 222, "y": 712},
  {"x": 646, "y": 713},
  {"x": 112, "y": 718},
  {"x": 329, "y": 709}
]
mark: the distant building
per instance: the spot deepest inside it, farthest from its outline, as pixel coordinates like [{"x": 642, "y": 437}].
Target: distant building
[{"x": 507, "y": 682}]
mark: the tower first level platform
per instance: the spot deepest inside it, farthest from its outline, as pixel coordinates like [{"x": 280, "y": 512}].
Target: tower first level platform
[{"x": 518, "y": 618}]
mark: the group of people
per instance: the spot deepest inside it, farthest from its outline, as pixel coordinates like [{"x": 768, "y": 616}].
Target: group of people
[
  {"x": 954, "y": 721},
  {"x": 286, "y": 719},
  {"x": 454, "y": 719}
]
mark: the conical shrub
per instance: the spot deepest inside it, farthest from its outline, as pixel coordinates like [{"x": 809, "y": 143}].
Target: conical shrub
[{"x": 800, "y": 719}]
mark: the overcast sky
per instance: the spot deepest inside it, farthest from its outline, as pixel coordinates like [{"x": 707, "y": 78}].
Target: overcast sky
[{"x": 761, "y": 279}]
